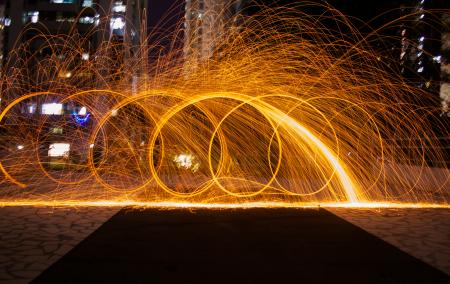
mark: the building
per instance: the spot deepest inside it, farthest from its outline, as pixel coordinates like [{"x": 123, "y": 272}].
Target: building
[
  {"x": 118, "y": 20},
  {"x": 445, "y": 66},
  {"x": 205, "y": 22},
  {"x": 47, "y": 28}
]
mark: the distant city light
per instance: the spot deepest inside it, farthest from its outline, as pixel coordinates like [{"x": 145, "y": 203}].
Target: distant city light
[
  {"x": 420, "y": 70},
  {"x": 32, "y": 109},
  {"x": 119, "y": 7},
  {"x": 422, "y": 38},
  {"x": 20, "y": 147},
  {"x": 437, "y": 58},
  {"x": 52, "y": 109},
  {"x": 87, "y": 3},
  {"x": 117, "y": 23},
  {"x": 186, "y": 161},
  {"x": 86, "y": 20},
  {"x": 85, "y": 56},
  {"x": 91, "y": 146},
  {"x": 82, "y": 111},
  {"x": 114, "y": 112},
  {"x": 33, "y": 16},
  {"x": 97, "y": 19},
  {"x": 59, "y": 150},
  {"x": 62, "y": 1}
]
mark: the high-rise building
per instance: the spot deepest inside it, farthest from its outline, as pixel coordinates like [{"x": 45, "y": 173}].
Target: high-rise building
[
  {"x": 117, "y": 20},
  {"x": 205, "y": 22},
  {"x": 420, "y": 53},
  {"x": 4, "y": 22},
  {"x": 445, "y": 66}
]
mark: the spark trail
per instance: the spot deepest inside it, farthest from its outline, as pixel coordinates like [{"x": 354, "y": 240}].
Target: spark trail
[{"x": 292, "y": 116}]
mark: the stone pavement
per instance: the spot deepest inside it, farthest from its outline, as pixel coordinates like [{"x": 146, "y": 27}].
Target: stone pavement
[
  {"x": 423, "y": 233},
  {"x": 32, "y": 238}
]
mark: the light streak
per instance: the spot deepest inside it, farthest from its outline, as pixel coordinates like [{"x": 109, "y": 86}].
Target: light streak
[{"x": 296, "y": 118}]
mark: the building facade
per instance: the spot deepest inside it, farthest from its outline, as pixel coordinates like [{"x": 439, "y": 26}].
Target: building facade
[
  {"x": 206, "y": 21},
  {"x": 116, "y": 20}
]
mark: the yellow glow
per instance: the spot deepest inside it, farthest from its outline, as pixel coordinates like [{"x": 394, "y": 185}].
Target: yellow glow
[{"x": 297, "y": 117}]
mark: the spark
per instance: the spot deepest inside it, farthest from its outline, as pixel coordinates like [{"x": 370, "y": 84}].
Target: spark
[{"x": 299, "y": 117}]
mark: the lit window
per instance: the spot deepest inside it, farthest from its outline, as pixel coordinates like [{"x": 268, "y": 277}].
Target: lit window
[
  {"x": 97, "y": 19},
  {"x": 119, "y": 7},
  {"x": 62, "y": 1},
  {"x": 31, "y": 109},
  {"x": 82, "y": 111},
  {"x": 437, "y": 58},
  {"x": 4, "y": 22},
  {"x": 117, "y": 23},
  {"x": 57, "y": 130},
  {"x": 86, "y": 20},
  {"x": 31, "y": 16},
  {"x": 59, "y": 150},
  {"x": 52, "y": 109},
  {"x": 87, "y": 3}
]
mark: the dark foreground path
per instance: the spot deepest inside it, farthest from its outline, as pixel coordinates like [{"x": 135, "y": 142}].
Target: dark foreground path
[{"x": 235, "y": 246}]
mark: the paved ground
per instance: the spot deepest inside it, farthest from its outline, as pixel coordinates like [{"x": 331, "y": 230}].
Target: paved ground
[
  {"x": 236, "y": 246},
  {"x": 31, "y": 238},
  {"x": 423, "y": 233}
]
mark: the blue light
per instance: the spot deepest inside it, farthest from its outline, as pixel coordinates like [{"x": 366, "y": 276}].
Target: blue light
[{"x": 81, "y": 120}]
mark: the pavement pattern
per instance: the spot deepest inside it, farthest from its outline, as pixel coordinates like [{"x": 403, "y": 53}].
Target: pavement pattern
[
  {"x": 34, "y": 238},
  {"x": 423, "y": 233}
]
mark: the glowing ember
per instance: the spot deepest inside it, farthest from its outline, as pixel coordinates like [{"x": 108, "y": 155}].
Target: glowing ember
[{"x": 278, "y": 118}]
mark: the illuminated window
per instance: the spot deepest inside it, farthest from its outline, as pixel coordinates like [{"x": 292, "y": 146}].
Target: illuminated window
[
  {"x": 119, "y": 7},
  {"x": 57, "y": 130},
  {"x": 82, "y": 111},
  {"x": 62, "y": 1},
  {"x": 97, "y": 19},
  {"x": 437, "y": 58},
  {"x": 117, "y": 23},
  {"x": 86, "y": 20},
  {"x": 59, "y": 150},
  {"x": 31, "y": 16},
  {"x": 4, "y": 22},
  {"x": 52, "y": 109},
  {"x": 31, "y": 109},
  {"x": 87, "y": 3}
]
